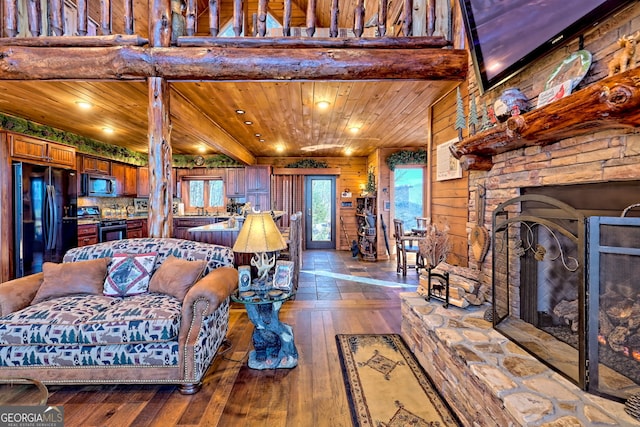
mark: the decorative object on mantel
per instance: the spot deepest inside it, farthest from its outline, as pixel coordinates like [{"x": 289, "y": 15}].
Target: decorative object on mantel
[
  {"x": 556, "y": 92},
  {"x": 625, "y": 58},
  {"x": 511, "y": 102},
  {"x": 574, "y": 67},
  {"x": 406, "y": 157},
  {"x": 460, "y": 119},
  {"x": 473, "y": 115},
  {"x": 308, "y": 163},
  {"x": 484, "y": 123}
]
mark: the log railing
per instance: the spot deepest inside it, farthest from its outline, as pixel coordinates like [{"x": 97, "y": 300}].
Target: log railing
[{"x": 437, "y": 22}]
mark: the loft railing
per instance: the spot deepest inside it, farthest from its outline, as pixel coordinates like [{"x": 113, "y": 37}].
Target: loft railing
[{"x": 31, "y": 19}]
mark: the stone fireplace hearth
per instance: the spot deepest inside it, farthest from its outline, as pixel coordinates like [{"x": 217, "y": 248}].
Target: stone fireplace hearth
[{"x": 490, "y": 381}]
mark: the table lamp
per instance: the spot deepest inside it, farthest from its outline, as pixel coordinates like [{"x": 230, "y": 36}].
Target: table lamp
[{"x": 259, "y": 235}]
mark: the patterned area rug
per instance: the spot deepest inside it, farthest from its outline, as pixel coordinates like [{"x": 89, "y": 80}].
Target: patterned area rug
[{"x": 386, "y": 386}]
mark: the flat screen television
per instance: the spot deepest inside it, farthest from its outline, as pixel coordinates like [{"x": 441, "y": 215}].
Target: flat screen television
[{"x": 506, "y": 35}]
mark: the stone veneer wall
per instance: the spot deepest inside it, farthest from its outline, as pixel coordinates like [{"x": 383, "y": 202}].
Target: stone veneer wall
[{"x": 488, "y": 380}]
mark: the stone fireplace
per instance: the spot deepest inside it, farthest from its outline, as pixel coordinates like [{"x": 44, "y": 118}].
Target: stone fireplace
[
  {"x": 594, "y": 175},
  {"x": 563, "y": 285}
]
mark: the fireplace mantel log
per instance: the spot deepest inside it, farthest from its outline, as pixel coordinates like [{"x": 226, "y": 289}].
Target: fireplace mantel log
[{"x": 611, "y": 103}]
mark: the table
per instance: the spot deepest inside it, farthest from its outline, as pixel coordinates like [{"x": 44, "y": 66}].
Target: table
[
  {"x": 22, "y": 391},
  {"x": 419, "y": 231},
  {"x": 272, "y": 340}
]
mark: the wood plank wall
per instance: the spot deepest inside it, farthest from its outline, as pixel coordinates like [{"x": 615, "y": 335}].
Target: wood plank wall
[
  {"x": 449, "y": 202},
  {"x": 353, "y": 174}
]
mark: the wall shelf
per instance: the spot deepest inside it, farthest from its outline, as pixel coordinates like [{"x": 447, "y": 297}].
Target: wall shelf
[{"x": 611, "y": 103}]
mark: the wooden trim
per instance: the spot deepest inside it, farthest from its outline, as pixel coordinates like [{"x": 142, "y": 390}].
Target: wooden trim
[{"x": 306, "y": 171}]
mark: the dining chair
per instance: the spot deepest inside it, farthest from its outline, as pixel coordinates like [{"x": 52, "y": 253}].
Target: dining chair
[
  {"x": 422, "y": 222},
  {"x": 404, "y": 244}
]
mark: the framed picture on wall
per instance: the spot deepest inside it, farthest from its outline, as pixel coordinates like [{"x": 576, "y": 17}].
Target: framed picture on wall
[
  {"x": 283, "y": 276},
  {"x": 447, "y": 166}
]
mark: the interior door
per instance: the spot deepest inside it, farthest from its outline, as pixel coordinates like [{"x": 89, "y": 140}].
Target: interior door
[{"x": 320, "y": 209}]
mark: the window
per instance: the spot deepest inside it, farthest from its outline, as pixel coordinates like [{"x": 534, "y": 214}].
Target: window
[
  {"x": 408, "y": 199},
  {"x": 203, "y": 193}
]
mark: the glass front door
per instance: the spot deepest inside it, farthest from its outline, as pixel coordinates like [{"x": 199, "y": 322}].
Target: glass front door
[{"x": 320, "y": 232}]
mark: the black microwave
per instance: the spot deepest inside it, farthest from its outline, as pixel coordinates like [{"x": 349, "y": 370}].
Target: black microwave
[{"x": 94, "y": 185}]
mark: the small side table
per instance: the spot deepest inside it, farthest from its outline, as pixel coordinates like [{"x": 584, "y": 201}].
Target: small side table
[{"x": 272, "y": 340}]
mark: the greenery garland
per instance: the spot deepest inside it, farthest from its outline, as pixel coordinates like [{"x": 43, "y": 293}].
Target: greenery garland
[
  {"x": 83, "y": 144},
  {"x": 308, "y": 163},
  {"x": 90, "y": 146},
  {"x": 214, "y": 161},
  {"x": 407, "y": 157}
]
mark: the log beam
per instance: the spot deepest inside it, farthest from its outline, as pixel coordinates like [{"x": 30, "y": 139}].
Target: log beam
[
  {"x": 216, "y": 64},
  {"x": 611, "y": 103},
  {"x": 184, "y": 111},
  {"x": 160, "y": 195}
]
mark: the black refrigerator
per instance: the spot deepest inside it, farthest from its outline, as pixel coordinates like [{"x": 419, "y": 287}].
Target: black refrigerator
[{"x": 44, "y": 209}]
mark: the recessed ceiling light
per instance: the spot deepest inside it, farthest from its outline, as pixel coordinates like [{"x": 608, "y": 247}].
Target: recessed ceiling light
[
  {"x": 202, "y": 149},
  {"x": 354, "y": 129},
  {"x": 279, "y": 148},
  {"x": 107, "y": 130},
  {"x": 323, "y": 105},
  {"x": 248, "y": 122},
  {"x": 261, "y": 140},
  {"x": 84, "y": 104},
  {"x": 348, "y": 151},
  {"x": 240, "y": 111},
  {"x": 258, "y": 135}
]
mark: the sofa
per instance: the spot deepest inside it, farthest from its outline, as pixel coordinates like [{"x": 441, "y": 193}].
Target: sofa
[{"x": 70, "y": 324}]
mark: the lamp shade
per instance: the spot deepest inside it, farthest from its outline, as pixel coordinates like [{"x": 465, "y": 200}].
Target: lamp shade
[{"x": 259, "y": 233}]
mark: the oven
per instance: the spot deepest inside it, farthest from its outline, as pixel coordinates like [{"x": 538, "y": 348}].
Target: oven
[{"x": 112, "y": 229}]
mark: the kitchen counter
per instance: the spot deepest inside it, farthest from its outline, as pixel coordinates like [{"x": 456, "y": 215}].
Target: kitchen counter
[{"x": 218, "y": 227}]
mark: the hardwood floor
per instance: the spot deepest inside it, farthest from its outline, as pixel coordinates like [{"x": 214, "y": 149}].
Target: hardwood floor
[{"x": 337, "y": 294}]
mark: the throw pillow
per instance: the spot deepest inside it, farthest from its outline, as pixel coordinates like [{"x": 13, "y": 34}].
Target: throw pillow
[
  {"x": 81, "y": 277},
  {"x": 129, "y": 274},
  {"x": 176, "y": 275}
]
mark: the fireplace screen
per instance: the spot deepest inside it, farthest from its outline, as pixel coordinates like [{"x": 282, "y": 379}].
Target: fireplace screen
[{"x": 569, "y": 303}]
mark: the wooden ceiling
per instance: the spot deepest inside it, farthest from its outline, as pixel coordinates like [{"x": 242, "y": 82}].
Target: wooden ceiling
[{"x": 389, "y": 114}]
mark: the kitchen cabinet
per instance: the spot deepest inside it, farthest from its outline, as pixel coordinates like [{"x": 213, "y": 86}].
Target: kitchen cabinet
[
  {"x": 234, "y": 183},
  {"x": 33, "y": 149},
  {"x": 87, "y": 234},
  {"x": 95, "y": 165},
  {"x": 126, "y": 179},
  {"x": 142, "y": 183},
  {"x": 182, "y": 225},
  {"x": 257, "y": 178},
  {"x": 258, "y": 187},
  {"x": 137, "y": 228}
]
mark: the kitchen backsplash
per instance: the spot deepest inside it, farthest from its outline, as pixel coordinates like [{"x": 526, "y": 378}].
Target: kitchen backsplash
[{"x": 121, "y": 206}]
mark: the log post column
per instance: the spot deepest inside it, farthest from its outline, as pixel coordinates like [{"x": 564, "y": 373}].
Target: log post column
[
  {"x": 160, "y": 182},
  {"x": 159, "y": 123}
]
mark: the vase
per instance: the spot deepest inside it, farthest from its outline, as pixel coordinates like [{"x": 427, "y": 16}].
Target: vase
[{"x": 511, "y": 102}]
